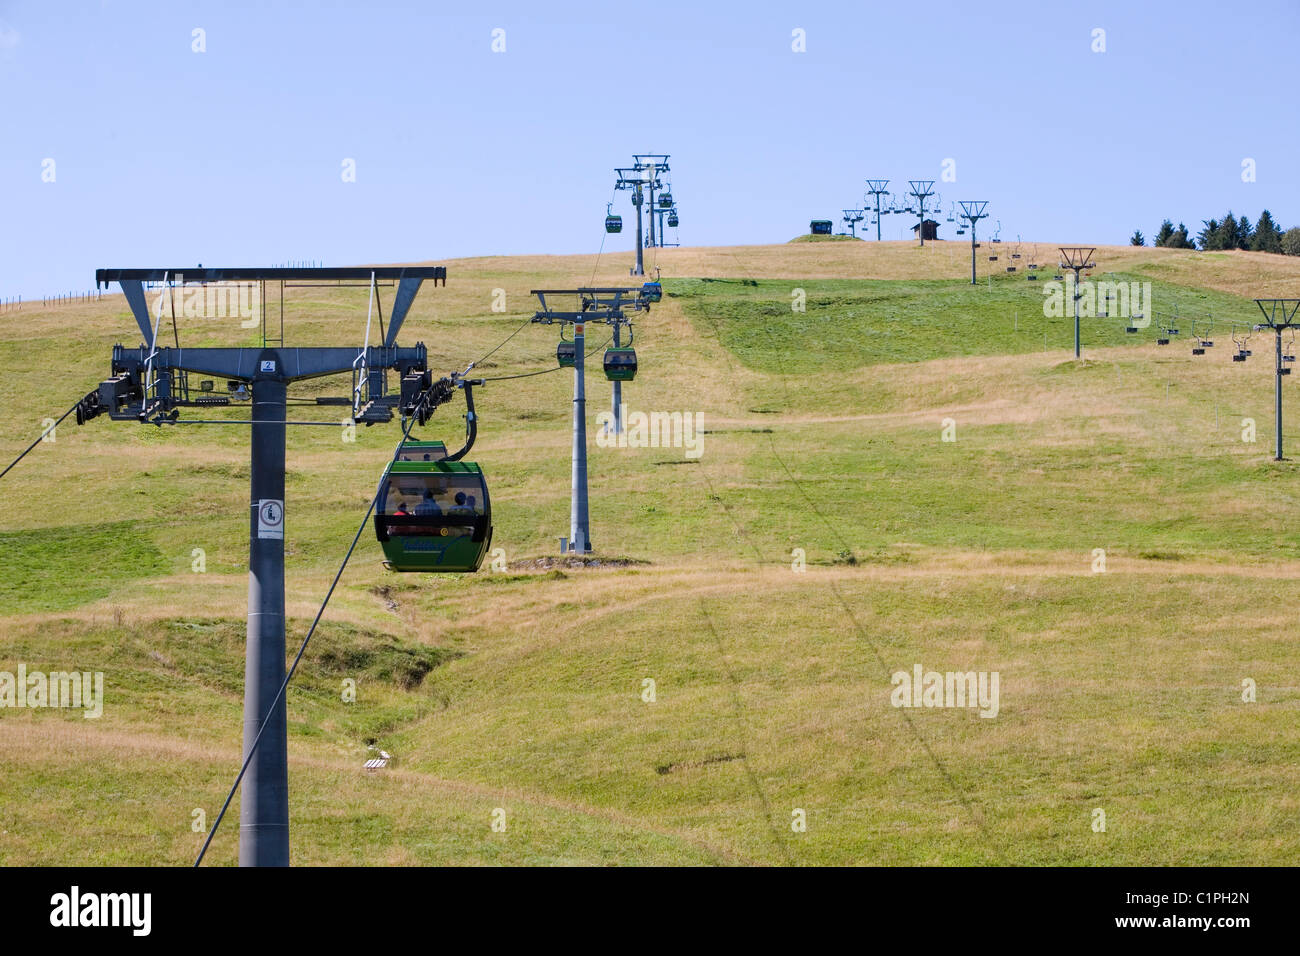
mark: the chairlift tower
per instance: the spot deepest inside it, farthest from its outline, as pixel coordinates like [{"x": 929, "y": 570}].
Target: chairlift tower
[
  {"x": 1077, "y": 259},
  {"x": 630, "y": 178},
  {"x": 876, "y": 188},
  {"x": 921, "y": 190},
  {"x": 851, "y": 218},
  {"x": 973, "y": 211},
  {"x": 150, "y": 384},
  {"x": 650, "y": 166},
  {"x": 593, "y": 307},
  {"x": 1279, "y": 314}
]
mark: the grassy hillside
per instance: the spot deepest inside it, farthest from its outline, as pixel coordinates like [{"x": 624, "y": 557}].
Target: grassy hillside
[{"x": 523, "y": 690}]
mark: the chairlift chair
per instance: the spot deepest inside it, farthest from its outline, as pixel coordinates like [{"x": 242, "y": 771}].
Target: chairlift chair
[
  {"x": 1202, "y": 339},
  {"x": 1240, "y": 340}
]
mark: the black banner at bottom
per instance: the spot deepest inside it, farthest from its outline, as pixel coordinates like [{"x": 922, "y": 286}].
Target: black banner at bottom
[{"x": 336, "y": 906}]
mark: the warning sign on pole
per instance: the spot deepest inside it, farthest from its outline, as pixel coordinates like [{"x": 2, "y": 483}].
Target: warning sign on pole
[{"x": 270, "y": 518}]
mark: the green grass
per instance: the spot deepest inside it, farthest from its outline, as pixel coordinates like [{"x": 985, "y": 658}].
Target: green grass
[
  {"x": 848, "y": 324},
  {"x": 809, "y": 237},
  {"x": 52, "y": 569}
]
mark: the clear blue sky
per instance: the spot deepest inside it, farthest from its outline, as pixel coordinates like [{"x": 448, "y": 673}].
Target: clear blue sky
[{"x": 167, "y": 157}]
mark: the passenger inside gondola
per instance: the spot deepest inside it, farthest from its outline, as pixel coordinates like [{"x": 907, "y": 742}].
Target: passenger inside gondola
[{"x": 430, "y": 497}]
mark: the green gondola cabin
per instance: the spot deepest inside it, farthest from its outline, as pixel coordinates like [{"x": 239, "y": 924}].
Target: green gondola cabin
[
  {"x": 433, "y": 516},
  {"x": 620, "y": 364}
]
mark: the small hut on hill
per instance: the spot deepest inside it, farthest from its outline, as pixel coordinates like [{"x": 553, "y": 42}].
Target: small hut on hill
[{"x": 931, "y": 229}]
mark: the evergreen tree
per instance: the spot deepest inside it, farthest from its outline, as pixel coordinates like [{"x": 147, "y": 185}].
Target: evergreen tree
[
  {"x": 1180, "y": 239},
  {"x": 1268, "y": 237},
  {"x": 1137, "y": 239},
  {"x": 1229, "y": 234},
  {"x": 1245, "y": 234},
  {"x": 1165, "y": 234},
  {"x": 1210, "y": 236}
]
